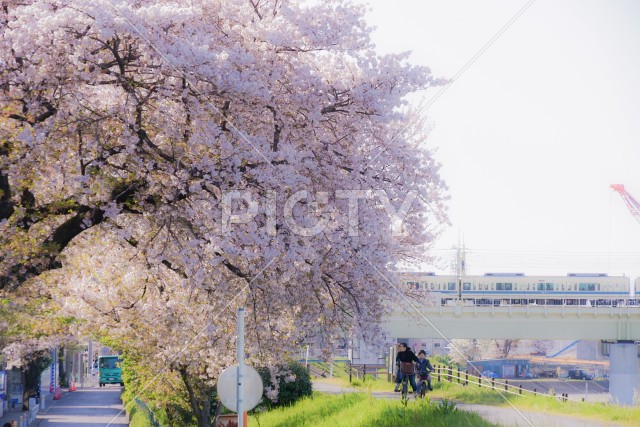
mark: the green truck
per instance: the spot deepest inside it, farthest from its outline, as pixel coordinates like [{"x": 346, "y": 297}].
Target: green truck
[{"x": 109, "y": 370}]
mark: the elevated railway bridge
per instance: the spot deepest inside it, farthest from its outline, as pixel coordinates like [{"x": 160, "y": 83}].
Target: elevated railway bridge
[{"x": 617, "y": 325}]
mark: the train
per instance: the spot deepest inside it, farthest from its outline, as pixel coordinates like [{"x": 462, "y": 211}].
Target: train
[{"x": 500, "y": 289}]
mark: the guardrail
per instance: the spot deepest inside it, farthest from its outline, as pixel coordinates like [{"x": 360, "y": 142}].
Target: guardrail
[
  {"x": 359, "y": 371},
  {"x": 443, "y": 373},
  {"x": 362, "y": 370}
]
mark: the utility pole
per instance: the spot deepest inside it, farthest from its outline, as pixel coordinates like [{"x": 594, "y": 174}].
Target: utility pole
[
  {"x": 459, "y": 271},
  {"x": 460, "y": 267},
  {"x": 90, "y": 362}
]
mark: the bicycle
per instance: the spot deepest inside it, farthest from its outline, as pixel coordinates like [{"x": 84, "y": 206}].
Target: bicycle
[
  {"x": 407, "y": 369},
  {"x": 405, "y": 386},
  {"x": 424, "y": 379}
]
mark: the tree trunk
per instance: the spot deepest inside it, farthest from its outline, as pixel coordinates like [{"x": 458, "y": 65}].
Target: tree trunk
[{"x": 201, "y": 407}]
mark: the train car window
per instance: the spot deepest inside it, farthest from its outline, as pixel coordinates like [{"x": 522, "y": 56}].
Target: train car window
[
  {"x": 549, "y": 286},
  {"x": 466, "y": 286},
  {"x": 493, "y": 286},
  {"x": 563, "y": 286},
  {"x": 541, "y": 286},
  {"x": 500, "y": 286},
  {"x": 588, "y": 287},
  {"x": 508, "y": 286},
  {"x": 452, "y": 286}
]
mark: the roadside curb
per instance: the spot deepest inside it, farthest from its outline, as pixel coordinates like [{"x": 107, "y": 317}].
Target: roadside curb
[{"x": 53, "y": 403}]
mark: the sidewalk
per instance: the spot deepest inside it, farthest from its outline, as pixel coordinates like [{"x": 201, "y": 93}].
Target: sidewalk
[
  {"x": 10, "y": 415},
  {"x": 16, "y": 413}
]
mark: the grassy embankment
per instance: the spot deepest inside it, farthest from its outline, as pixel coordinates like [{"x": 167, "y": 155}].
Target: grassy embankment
[
  {"x": 548, "y": 404},
  {"x": 358, "y": 409},
  {"x": 473, "y": 394}
]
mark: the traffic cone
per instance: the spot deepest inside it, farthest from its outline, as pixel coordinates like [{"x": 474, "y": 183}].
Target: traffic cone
[{"x": 73, "y": 386}]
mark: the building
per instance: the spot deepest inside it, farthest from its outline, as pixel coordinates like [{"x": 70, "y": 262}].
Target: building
[{"x": 500, "y": 368}]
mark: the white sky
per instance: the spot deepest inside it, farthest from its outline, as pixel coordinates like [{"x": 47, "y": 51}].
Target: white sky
[{"x": 531, "y": 136}]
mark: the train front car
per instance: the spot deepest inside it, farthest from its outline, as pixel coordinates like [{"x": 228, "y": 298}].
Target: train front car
[{"x": 436, "y": 289}]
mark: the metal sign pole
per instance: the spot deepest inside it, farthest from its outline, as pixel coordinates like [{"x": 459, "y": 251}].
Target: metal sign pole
[{"x": 240, "y": 345}]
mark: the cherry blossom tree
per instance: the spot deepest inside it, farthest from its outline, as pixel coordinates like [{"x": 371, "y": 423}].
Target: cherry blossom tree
[{"x": 162, "y": 163}]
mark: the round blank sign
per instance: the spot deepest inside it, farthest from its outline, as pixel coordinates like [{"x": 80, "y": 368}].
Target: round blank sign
[{"x": 228, "y": 388}]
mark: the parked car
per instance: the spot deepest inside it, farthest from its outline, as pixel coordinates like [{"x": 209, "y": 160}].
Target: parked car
[
  {"x": 579, "y": 374},
  {"x": 548, "y": 374},
  {"x": 489, "y": 374}
]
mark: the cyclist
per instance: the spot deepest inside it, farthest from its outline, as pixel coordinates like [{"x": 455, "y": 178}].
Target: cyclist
[
  {"x": 405, "y": 360},
  {"x": 424, "y": 367}
]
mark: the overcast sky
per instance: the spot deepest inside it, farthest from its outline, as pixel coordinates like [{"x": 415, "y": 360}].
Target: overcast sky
[{"x": 532, "y": 134}]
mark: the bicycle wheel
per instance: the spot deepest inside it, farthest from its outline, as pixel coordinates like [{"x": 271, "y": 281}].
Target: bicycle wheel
[
  {"x": 405, "y": 387},
  {"x": 423, "y": 388}
]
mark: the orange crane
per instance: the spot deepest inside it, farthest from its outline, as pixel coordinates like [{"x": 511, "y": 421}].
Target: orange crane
[{"x": 632, "y": 204}]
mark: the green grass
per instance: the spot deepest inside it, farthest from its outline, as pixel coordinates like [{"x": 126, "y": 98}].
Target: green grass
[
  {"x": 139, "y": 417},
  {"x": 541, "y": 403},
  {"x": 629, "y": 416},
  {"x": 359, "y": 410}
]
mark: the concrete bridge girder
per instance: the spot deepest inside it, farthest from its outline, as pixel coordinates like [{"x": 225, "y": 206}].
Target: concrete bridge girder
[{"x": 542, "y": 322}]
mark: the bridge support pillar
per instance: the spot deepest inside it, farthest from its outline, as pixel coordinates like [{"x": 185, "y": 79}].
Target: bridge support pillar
[{"x": 624, "y": 373}]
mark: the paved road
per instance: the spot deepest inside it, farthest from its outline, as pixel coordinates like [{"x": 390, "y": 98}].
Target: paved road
[
  {"x": 86, "y": 407},
  {"x": 516, "y": 418}
]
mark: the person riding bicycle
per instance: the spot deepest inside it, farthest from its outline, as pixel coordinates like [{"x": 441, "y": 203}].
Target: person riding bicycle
[
  {"x": 424, "y": 367},
  {"x": 404, "y": 359}
]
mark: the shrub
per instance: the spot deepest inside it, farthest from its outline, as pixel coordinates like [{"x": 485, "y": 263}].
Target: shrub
[
  {"x": 293, "y": 381},
  {"x": 445, "y": 407}
]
